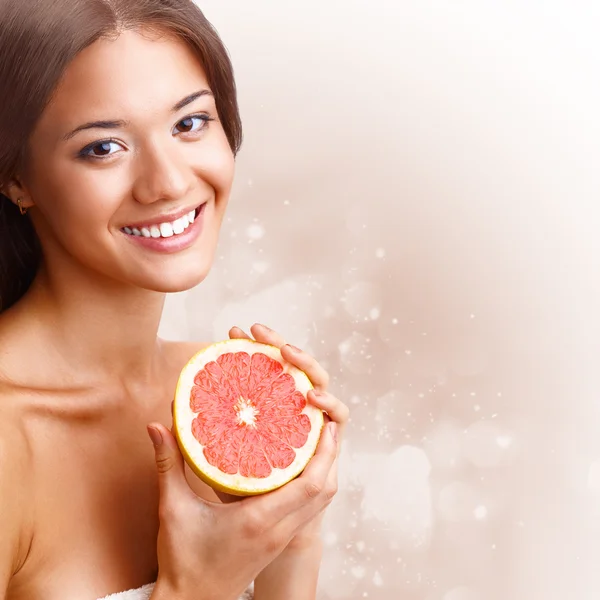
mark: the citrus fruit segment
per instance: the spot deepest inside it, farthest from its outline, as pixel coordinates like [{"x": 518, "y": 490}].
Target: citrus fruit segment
[{"x": 241, "y": 418}]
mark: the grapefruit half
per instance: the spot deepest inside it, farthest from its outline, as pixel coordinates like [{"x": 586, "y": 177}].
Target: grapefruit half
[{"x": 241, "y": 418}]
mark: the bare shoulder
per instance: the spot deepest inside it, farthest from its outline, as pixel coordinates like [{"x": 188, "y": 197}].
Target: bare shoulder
[
  {"x": 16, "y": 460},
  {"x": 15, "y": 493}
]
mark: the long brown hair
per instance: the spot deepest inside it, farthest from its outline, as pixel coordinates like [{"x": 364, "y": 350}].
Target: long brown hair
[{"x": 38, "y": 39}]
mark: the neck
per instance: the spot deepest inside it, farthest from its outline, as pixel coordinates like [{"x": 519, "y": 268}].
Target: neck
[{"x": 96, "y": 324}]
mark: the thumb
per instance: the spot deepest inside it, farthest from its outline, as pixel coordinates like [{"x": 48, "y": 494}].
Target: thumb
[{"x": 169, "y": 462}]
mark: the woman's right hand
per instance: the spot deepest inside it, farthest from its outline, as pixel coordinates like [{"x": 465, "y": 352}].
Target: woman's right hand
[{"x": 212, "y": 551}]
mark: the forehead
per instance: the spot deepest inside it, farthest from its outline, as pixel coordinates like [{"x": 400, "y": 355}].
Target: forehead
[{"x": 133, "y": 74}]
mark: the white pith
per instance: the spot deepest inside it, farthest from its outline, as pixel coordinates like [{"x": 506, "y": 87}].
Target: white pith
[
  {"x": 166, "y": 229},
  {"x": 183, "y": 417},
  {"x": 246, "y": 412}
]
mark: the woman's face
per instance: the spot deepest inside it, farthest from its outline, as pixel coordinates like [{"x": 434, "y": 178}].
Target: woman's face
[{"x": 131, "y": 144}]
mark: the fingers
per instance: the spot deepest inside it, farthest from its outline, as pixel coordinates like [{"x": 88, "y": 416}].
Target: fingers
[
  {"x": 235, "y": 333},
  {"x": 321, "y": 471},
  {"x": 264, "y": 334},
  {"x": 300, "y": 500},
  {"x": 310, "y": 488},
  {"x": 169, "y": 463},
  {"x": 307, "y": 363},
  {"x": 304, "y": 361},
  {"x": 309, "y": 510},
  {"x": 261, "y": 334},
  {"x": 336, "y": 410}
]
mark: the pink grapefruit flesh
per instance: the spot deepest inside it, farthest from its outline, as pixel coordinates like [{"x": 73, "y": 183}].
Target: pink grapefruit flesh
[{"x": 241, "y": 418}]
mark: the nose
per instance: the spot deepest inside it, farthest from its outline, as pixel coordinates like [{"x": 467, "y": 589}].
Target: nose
[{"x": 163, "y": 175}]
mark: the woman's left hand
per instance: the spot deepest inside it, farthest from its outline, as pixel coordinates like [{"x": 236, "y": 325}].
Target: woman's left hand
[{"x": 335, "y": 410}]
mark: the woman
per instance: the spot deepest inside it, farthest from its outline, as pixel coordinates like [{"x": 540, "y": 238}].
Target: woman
[{"x": 119, "y": 126}]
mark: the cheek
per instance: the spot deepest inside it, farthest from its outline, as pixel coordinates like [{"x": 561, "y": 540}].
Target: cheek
[
  {"x": 74, "y": 200},
  {"x": 217, "y": 166},
  {"x": 228, "y": 170},
  {"x": 67, "y": 190}
]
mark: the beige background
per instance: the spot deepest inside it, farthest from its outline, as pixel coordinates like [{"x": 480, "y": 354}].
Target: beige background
[{"x": 417, "y": 205}]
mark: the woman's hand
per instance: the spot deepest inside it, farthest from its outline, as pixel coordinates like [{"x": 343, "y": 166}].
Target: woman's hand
[
  {"x": 209, "y": 551},
  {"x": 335, "y": 410},
  {"x": 293, "y": 574}
]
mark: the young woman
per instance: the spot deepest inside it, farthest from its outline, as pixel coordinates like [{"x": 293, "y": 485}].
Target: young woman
[{"x": 118, "y": 131}]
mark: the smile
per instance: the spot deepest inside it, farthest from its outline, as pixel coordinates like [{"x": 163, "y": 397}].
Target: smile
[
  {"x": 168, "y": 236},
  {"x": 166, "y": 229}
]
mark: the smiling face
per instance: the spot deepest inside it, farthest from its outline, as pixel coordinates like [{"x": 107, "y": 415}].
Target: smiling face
[{"x": 129, "y": 151}]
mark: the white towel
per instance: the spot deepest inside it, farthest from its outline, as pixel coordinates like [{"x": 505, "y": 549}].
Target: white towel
[
  {"x": 142, "y": 593},
  {"x": 145, "y": 591}
]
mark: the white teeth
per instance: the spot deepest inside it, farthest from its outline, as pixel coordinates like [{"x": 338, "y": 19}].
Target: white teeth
[
  {"x": 178, "y": 226},
  {"x": 166, "y": 229}
]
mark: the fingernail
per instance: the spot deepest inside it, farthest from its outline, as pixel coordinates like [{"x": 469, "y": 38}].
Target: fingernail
[
  {"x": 294, "y": 349},
  {"x": 155, "y": 436},
  {"x": 333, "y": 431},
  {"x": 264, "y": 327}
]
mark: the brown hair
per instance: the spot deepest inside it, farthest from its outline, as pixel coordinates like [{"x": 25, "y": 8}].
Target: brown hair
[{"x": 38, "y": 39}]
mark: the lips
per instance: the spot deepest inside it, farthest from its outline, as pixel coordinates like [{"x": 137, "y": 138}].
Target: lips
[
  {"x": 163, "y": 237},
  {"x": 164, "y": 229}
]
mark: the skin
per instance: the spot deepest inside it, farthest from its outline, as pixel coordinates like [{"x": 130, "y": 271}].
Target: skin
[{"x": 82, "y": 371}]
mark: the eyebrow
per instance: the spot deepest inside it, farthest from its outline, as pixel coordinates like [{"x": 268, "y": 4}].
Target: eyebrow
[{"x": 114, "y": 124}]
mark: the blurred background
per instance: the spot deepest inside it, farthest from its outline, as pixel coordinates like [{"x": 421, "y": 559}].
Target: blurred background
[{"x": 417, "y": 205}]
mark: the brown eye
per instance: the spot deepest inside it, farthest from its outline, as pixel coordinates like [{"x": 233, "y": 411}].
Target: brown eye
[
  {"x": 101, "y": 149},
  {"x": 193, "y": 124},
  {"x": 186, "y": 125}
]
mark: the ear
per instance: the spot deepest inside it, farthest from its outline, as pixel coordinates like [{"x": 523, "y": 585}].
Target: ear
[{"x": 14, "y": 191}]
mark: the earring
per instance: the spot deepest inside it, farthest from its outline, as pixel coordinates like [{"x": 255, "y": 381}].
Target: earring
[{"x": 22, "y": 210}]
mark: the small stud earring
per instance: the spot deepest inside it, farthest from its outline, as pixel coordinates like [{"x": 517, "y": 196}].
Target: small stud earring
[{"x": 22, "y": 210}]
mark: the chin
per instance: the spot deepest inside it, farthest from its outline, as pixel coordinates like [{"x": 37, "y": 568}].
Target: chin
[{"x": 172, "y": 280}]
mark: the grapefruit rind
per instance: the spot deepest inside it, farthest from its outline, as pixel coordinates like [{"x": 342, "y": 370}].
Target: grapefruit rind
[{"x": 192, "y": 450}]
